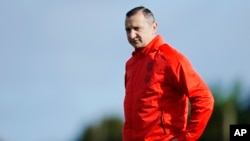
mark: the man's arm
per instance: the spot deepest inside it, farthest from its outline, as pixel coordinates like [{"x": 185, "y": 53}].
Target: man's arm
[{"x": 200, "y": 98}]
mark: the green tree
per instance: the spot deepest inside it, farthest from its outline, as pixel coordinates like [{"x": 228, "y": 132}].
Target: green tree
[
  {"x": 227, "y": 111},
  {"x": 108, "y": 130}
]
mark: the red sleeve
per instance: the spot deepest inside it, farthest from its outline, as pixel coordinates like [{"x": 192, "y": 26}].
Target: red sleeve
[{"x": 200, "y": 98}]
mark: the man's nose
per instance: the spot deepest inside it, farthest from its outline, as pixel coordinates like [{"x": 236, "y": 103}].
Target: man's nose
[{"x": 132, "y": 34}]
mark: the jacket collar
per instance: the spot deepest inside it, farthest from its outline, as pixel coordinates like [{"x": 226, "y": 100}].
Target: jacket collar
[{"x": 152, "y": 46}]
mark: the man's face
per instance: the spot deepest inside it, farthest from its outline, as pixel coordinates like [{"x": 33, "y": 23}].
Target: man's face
[{"x": 139, "y": 30}]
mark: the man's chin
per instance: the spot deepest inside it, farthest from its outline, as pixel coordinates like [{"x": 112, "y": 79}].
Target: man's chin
[{"x": 137, "y": 46}]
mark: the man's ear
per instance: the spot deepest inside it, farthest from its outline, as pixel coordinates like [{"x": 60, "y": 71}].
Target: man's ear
[{"x": 155, "y": 26}]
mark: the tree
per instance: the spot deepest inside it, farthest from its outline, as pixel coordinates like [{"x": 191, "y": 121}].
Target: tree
[
  {"x": 108, "y": 130},
  {"x": 227, "y": 111}
]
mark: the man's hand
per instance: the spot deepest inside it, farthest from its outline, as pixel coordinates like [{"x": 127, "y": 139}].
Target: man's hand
[{"x": 175, "y": 139}]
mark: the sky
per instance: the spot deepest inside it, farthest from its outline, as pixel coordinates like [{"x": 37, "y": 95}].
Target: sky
[{"x": 62, "y": 61}]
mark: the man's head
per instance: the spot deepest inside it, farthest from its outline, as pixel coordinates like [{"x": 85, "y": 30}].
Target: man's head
[{"x": 140, "y": 26}]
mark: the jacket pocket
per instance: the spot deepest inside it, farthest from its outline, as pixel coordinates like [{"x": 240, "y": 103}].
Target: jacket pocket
[{"x": 162, "y": 122}]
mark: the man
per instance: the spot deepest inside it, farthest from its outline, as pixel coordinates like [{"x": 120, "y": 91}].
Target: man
[{"x": 159, "y": 83}]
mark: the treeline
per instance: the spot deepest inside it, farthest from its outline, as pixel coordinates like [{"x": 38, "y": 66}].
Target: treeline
[{"x": 228, "y": 110}]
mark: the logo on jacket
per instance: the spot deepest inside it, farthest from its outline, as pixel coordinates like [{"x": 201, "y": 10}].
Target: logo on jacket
[
  {"x": 149, "y": 69},
  {"x": 149, "y": 66}
]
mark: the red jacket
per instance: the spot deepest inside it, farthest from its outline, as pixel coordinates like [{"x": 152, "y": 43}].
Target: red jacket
[{"x": 159, "y": 81}]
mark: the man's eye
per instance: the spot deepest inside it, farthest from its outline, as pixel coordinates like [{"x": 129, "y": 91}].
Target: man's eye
[{"x": 136, "y": 28}]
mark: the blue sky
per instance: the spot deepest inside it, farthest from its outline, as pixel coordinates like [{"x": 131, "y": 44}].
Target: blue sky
[{"x": 62, "y": 62}]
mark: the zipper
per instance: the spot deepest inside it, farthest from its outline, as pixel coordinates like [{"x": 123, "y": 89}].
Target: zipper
[{"x": 162, "y": 123}]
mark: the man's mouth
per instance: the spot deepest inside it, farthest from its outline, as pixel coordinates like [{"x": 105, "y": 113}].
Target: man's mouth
[{"x": 135, "y": 41}]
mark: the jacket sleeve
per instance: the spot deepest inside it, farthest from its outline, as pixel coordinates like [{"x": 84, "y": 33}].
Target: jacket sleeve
[{"x": 200, "y": 98}]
